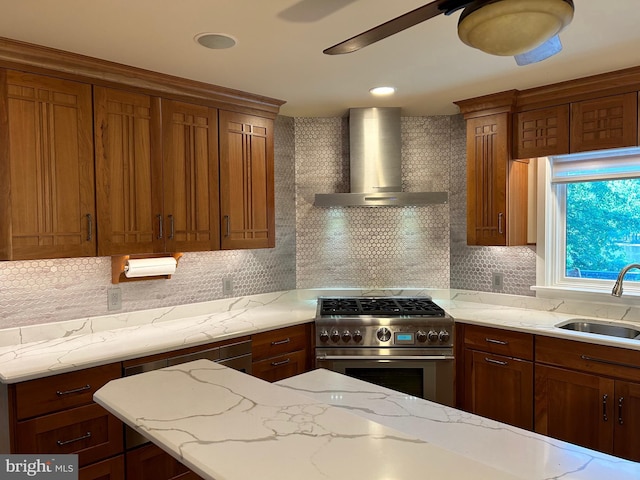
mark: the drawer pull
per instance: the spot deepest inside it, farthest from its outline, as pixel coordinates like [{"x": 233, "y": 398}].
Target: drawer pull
[
  {"x": 61, "y": 443},
  {"x": 609, "y": 362},
  {"x": 283, "y": 362},
  {"x": 280, "y": 342},
  {"x": 497, "y": 362},
  {"x": 604, "y": 407},
  {"x": 620, "y": 400},
  {"x": 497, "y": 342},
  {"x": 75, "y": 390}
]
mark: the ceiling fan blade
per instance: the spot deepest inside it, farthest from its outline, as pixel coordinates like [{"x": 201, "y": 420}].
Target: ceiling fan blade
[
  {"x": 544, "y": 51},
  {"x": 396, "y": 25}
]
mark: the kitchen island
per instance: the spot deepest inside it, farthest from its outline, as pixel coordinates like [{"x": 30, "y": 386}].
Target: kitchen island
[{"x": 226, "y": 425}]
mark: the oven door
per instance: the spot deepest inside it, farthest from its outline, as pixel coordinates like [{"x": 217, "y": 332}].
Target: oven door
[{"x": 429, "y": 376}]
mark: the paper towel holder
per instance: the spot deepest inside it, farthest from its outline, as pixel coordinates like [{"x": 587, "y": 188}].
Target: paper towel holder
[{"x": 118, "y": 263}]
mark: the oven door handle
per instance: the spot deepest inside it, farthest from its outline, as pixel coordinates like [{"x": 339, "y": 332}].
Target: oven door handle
[{"x": 417, "y": 358}]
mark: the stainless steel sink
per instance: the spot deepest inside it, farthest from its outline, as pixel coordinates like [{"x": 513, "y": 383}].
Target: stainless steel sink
[{"x": 591, "y": 326}]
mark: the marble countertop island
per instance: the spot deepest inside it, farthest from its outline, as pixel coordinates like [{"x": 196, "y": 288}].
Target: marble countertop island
[{"x": 226, "y": 425}]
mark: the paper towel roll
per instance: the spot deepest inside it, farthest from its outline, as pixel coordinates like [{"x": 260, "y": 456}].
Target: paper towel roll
[{"x": 149, "y": 267}]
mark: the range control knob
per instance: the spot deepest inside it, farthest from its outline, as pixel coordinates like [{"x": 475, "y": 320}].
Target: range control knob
[
  {"x": 324, "y": 336},
  {"x": 383, "y": 334},
  {"x": 357, "y": 336},
  {"x": 432, "y": 336},
  {"x": 346, "y": 336},
  {"x": 335, "y": 336},
  {"x": 421, "y": 336},
  {"x": 444, "y": 336}
]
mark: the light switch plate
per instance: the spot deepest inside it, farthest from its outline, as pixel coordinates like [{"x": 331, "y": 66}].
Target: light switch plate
[
  {"x": 497, "y": 280},
  {"x": 227, "y": 286}
]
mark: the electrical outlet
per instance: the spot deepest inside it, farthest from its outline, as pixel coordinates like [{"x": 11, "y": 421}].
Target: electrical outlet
[
  {"x": 114, "y": 298},
  {"x": 497, "y": 280},
  {"x": 227, "y": 286}
]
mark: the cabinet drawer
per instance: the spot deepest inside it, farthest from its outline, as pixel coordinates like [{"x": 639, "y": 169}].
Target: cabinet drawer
[
  {"x": 112, "y": 469},
  {"x": 67, "y": 390},
  {"x": 498, "y": 341},
  {"x": 90, "y": 431},
  {"x": 278, "y": 368},
  {"x": 611, "y": 361},
  {"x": 277, "y": 342},
  {"x": 151, "y": 463}
]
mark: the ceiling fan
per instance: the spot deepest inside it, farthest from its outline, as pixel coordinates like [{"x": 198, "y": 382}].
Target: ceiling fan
[{"x": 526, "y": 29}]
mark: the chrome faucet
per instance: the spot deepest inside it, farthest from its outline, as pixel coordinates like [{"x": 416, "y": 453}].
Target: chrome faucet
[{"x": 617, "y": 288}]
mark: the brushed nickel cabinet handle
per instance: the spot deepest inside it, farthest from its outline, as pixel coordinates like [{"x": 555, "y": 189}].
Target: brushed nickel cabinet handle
[
  {"x": 609, "y": 362},
  {"x": 620, "y": 401},
  {"x": 172, "y": 227},
  {"x": 283, "y": 362},
  {"x": 280, "y": 342},
  {"x": 160, "y": 226},
  {"x": 74, "y": 390},
  {"x": 497, "y": 342},
  {"x": 497, "y": 362},
  {"x": 227, "y": 224},
  {"x": 67, "y": 442},
  {"x": 89, "y": 227},
  {"x": 500, "y": 217},
  {"x": 604, "y": 407}
]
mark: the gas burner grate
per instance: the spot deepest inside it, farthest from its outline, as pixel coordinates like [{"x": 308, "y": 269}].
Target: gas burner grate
[{"x": 417, "y": 306}]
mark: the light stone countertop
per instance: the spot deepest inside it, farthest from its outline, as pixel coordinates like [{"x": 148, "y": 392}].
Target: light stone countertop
[
  {"x": 227, "y": 425},
  {"x": 525, "y": 454},
  {"x": 42, "y": 350}
]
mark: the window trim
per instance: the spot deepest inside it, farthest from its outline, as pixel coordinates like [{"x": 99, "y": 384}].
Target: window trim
[{"x": 551, "y": 281}]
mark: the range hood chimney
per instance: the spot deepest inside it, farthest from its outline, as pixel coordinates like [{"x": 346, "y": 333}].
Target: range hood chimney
[{"x": 375, "y": 164}]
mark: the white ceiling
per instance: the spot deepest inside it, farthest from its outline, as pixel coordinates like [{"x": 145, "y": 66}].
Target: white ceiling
[{"x": 283, "y": 59}]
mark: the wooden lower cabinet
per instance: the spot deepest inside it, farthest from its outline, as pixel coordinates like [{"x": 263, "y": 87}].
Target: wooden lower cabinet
[
  {"x": 111, "y": 469},
  {"x": 626, "y": 435},
  {"x": 149, "y": 462},
  {"x": 89, "y": 431},
  {"x": 500, "y": 388},
  {"x": 575, "y": 407},
  {"x": 281, "y": 367},
  {"x": 281, "y": 353}
]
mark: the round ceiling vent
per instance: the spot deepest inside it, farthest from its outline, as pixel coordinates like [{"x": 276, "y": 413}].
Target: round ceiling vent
[{"x": 215, "y": 41}]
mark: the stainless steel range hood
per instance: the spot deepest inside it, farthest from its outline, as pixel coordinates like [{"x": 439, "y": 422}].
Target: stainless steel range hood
[{"x": 375, "y": 164}]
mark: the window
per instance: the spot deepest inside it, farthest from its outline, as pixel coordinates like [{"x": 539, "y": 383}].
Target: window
[{"x": 591, "y": 215}]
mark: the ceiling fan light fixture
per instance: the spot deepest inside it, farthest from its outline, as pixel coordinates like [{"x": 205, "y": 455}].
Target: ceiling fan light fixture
[{"x": 513, "y": 27}]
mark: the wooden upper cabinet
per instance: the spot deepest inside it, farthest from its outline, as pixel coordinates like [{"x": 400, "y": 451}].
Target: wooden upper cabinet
[
  {"x": 542, "y": 132},
  {"x": 496, "y": 186},
  {"x": 128, "y": 172},
  {"x": 190, "y": 176},
  {"x": 608, "y": 122},
  {"x": 246, "y": 181},
  {"x": 46, "y": 162}
]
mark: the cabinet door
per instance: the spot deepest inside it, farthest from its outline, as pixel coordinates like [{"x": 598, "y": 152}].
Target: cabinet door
[
  {"x": 46, "y": 162},
  {"x": 575, "y": 407},
  {"x": 627, "y": 418},
  {"x": 129, "y": 201},
  {"x": 609, "y": 122},
  {"x": 496, "y": 186},
  {"x": 246, "y": 181},
  {"x": 542, "y": 132},
  {"x": 190, "y": 176},
  {"x": 112, "y": 469},
  {"x": 500, "y": 388},
  {"x": 149, "y": 462}
]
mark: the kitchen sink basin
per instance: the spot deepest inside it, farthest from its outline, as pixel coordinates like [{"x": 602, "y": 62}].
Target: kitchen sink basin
[{"x": 590, "y": 326}]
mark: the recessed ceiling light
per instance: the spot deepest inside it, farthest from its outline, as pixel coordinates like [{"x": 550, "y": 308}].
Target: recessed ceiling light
[
  {"x": 382, "y": 90},
  {"x": 215, "y": 41}
]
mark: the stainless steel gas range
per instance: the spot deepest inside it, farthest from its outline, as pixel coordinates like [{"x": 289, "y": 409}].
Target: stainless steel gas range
[{"x": 403, "y": 343}]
